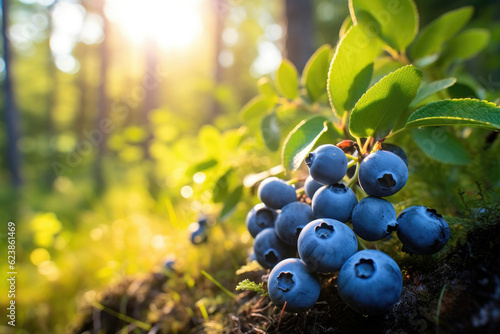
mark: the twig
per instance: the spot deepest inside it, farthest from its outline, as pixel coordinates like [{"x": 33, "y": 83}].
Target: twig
[{"x": 281, "y": 315}]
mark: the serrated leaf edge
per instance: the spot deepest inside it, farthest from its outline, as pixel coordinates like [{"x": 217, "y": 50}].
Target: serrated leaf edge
[{"x": 457, "y": 118}]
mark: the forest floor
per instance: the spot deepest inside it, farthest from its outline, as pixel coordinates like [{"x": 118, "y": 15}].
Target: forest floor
[{"x": 458, "y": 292}]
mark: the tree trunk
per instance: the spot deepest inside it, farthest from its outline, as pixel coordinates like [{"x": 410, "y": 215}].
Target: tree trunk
[
  {"x": 151, "y": 81},
  {"x": 81, "y": 119},
  {"x": 151, "y": 85},
  {"x": 299, "y": 44},
  {"x": 103, "y": 102},
  {"x": 11, "y": 113},
  {"x": 219, "y": 17}
]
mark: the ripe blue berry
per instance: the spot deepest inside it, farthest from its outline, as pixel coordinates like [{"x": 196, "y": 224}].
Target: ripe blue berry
[
  {"x": 396, "y": 150},
  {"x": 382, "y": 174},
  {"x": 336, "y": 201},
  {"x": 292, "y": 282},
  {"x": 199, "y": 233},
  {"x": 373, "y": 219},
  {"x": 169, "y": 264},
  {"x": 259, "y": 218},
  {"x": 422, "y": 230},
  {"x": 370, "y": 282},
  {"x": 276, "y": 193},
  {"x": 269, "y": 249},
  {"x": 325, "y": 244},
  {"x": 291, "y": 220},
  {"x": 311, "y": 186},
  {"x": 327, "y": 164}
]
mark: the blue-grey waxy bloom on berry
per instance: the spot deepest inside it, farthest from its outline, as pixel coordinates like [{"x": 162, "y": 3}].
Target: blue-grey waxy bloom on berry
[
  {"x": 336, "y": 201},
  {"x": 373, "y": 219},
  {"x": 269, "y": 249},
  {"x": 276, "y": 193},
  {"x": 327, "y": 164},
  {"x": 291, "y": 220},
  {"x": 325, "y": 244},
  {"x": 311, "y": 186},
  {"x": 382, "y": 173},
  {"x": 370, "y": 282},
  {"x": 422, "y": 230},
  {"x": 292, "y": 282},
  {"x": 259, "y": 218}
]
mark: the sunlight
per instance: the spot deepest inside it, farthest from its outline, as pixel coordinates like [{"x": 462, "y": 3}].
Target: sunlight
[{"x": 171, "y": 23}]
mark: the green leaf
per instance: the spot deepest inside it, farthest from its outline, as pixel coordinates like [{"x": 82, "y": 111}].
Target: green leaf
[
  {"x": 315, "y": 72},
  {"x": 382, "y": 67},
  {"x": 426, "y": 61},
  {"x": 201, "y": 166},
  {"x": 246, "y": 284},
  {"x": 376, "y": 111},
  {"x": 351, "y": 68},
  {"x": 266, "y": 88},
  {"x": 462, "y": 90},
  {"x": 345, "y": 26},
  {"x": 221, "y": 188},
  {"x": 467, "y": 112},
  {"x": 398, "y": 20},
  {"x": 440, "y": 145},
  {"x": 432, "y": 88},
  {"x": 300, "y": 141},
  {"x": 256, "y": 108},
  {"x": 464, "y": 46},
  {"x": 424, "y": 92},
  {"x": 231, "y": 202},
  {"x": 271, "y": 131},
  {"x": 287, "y": 80},
  {"x": 430, "y": 39}
]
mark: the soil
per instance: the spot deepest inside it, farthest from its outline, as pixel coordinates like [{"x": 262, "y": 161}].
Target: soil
[{"x": 460, "y": 293}]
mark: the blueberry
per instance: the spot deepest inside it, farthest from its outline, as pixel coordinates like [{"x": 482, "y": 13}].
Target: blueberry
[
  {"x": 396, "y": 150},
  {"x": 422, "y": 230},
  {"x": 269, "y": 249},
  {"x": 276, "y": 193},
  {"x": 325, "y": 244},
  {"x": 370, "y": 282},
  {"x": 291, "y": 220},
  {"x": 373, "y": 219},
  {"x": 327, "y": 164},
  {"x": 199, "y": 233},
  {"x": 259, "y": 218},
  {"x": 382, "y": 174},
  {"x": 292, "y": 282},
  {"x": 311, "y": 186},
  {"x": 203, "y": 221},
  {"x": 336, "y": 201},
  {"x": 169, "y": 264}
]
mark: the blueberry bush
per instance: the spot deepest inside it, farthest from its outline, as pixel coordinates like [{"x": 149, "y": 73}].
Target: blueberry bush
[{"x": 387, "y": 82}]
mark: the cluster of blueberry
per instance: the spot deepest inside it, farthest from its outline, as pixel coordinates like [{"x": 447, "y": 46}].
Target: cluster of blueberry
[{"x": 369, "y": 281}]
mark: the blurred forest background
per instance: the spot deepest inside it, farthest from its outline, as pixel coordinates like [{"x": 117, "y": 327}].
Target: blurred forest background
[{"x": 120, "y": 116}]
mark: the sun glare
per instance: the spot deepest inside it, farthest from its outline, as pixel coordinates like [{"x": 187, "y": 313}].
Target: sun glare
[{"x": 171, "y": 23}]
